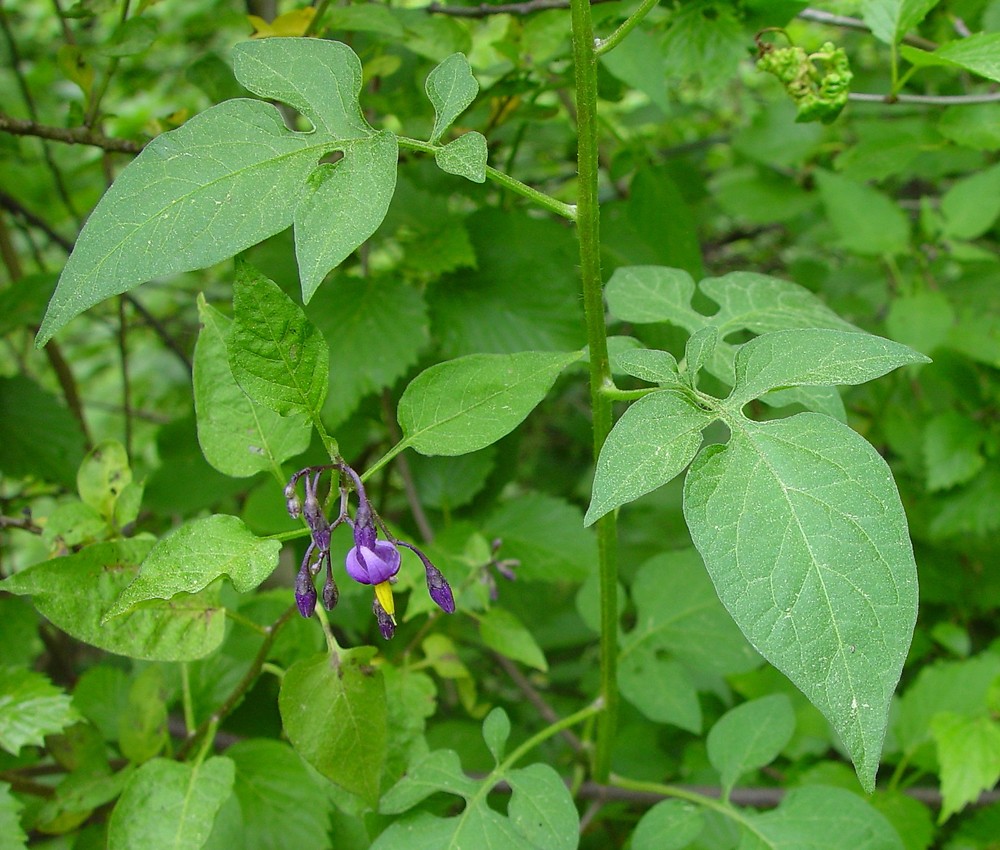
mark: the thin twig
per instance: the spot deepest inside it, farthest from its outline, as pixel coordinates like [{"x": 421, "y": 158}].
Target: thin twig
[
  {"x": 69, "y": 135},
  {"x": 844, "y": 22},
  {"x": 925, "y": 99},
  {"x": 484, "y": 10},
  {"x": 24, "y": 523},
  {"x": 409, "y": 487},
  {"x": 545, "y": 711},
  {"x": 126, "y": 385},
  {"x": 17, "y": 208}
]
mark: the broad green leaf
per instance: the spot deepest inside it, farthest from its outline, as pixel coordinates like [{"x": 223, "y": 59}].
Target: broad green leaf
[
  {"x": 977, "y": 53},
  {"x": 439, "y": 770},
  {"x": 102, "y": 477},
  {"x": 195, "y": 555},
  {"x": 972, "y": 204},
  {"x": 890, "y": 20},
  {"x": 343, "y": 204},
  {"x": 820, "y": 818},
  {"x": 911, "y": 819},
  {"x": 130, "y": 37},
  {"x": 952, "y": 449},
  {"x": 467, "y": 404},
  {"x": 238, "y": 437},
  {"x": 450, "y": 482},
  {"x": 669, "y": 825},
  {"x": 284, "y": 803},
  {"x": 921, "y": 320},
  {"x": 648, "y": 294},
  {"x": 276, "y": 354},
  {"x": 169, "y": 804},
  {"x": 818, "y": 356},
  {"x": 865, "y": 221},
  {"x": 968, "y": 750},
  {"x": 972, "y": 125},
  {"x": 502, "y": 632},
  {"x": 31, "y": 707},
  {"x": 802, "y": 531},
  {"x": 334, "y": 712},
  {"x": 101, "y": 695},
  {"x": 77, "y": 591},
  {"x": 661, "y": 689},
  {"x": 541, "y": 808},
  {"x": 450, "y": 87},
  {"x": 466, "y": 156},
  {"x": 749, "y": 737},
  {"x": 652, "y": 443},
  {"x": 496, "y": 731},
  {"x": 656, "y": 367},
  {"x": 12, "y": 836},
  {"x": 27, "y": 411}
]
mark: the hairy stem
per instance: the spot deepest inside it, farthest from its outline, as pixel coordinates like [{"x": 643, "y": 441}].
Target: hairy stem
[{"x": 630, "y": 23}]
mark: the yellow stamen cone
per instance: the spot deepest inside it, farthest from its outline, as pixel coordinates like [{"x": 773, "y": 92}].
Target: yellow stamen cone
[{"x": 383, "y": 592}]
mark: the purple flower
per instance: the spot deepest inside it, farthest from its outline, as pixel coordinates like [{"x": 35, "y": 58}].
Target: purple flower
[{"x": 373, "y": 565}]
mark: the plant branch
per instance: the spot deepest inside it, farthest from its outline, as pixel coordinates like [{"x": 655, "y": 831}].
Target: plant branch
[
  {"x": 844, "y": 22},
  {"x": 545, "y": 711},
  {"x": 69, "y": 135},
  {"x": 925, "y": 99},
  {"x": 630, "y": 23},
  {"x": 484, "y": 10},
  {"x": 403, "y": 465},
  {"x": 25, "y": 523},
  {"x": 588, "y": 233}
]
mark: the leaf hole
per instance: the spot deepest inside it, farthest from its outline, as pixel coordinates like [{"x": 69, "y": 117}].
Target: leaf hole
[{"x": 331, "y": 158}]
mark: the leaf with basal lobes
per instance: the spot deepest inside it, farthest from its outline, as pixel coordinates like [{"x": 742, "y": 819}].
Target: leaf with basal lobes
[
  {"x": 450, "y": 87},
  {"x": 233, "y": 176}
]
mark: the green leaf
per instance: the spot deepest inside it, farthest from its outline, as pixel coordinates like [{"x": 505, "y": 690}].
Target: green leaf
[
  {"x": 450, "y": 482},
  {"x": 541, "y": 808},
  {"x": 102, "y": 477},
  {"x": 238, "y": 437},
  {"x": 972, "y": 125},
  {"x": 344, "y": 203},
  {"x": 699, "y": 350},
  {"x": 865, "y": 221},
  {"x": 450, "y": 87},
  {"x": 466, "y": 156},
  {"x": 669, "y": 825},
  {"x": 818, "y": 356},
  {"x": 749, "y": 737},
  {"x": 467, "y": 404},
  {"x": 132, "y": 36},
  {"x": 652, "y": 443},
  {"x": 170, "y": 804},
  {"x": 890, "y": 20},
  {"x": 276, "y": 354},
  {"x": 502, "y": 632},
  {"x": 284, "y": 803},
  {"x": 31, "y": 707},
  {"x": 496, "y": 731},
  {"x": 76, "y": 592},
  {"x": 12, "y": 836},
  {"x": 820, "y": 818},
  {"x": 440, "y": 770},
  {"x": 977, "y": 53},
  {"x": 142, "y": 725},
  {"x": 655, "y": 367},
  {"x": 661, "y": 689},
  {"x": 802, "y": 531},
  {"x": 972, "y": 204},
  {"x": 968, "y": 751},
  {"x": 952, "y": 444},
  {"x": 921, "y": 320},
  {"x": 334, "y": 713}
]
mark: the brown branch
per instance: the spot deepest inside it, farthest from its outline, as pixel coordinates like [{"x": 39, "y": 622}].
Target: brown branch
[
  {"x": 25, "y": 523},
  {"x": 69, "y": 135},
  {"x": 484, "y": 10},
  {"x": 15, "y": 207},
  {"x": 545, "y": 711}
]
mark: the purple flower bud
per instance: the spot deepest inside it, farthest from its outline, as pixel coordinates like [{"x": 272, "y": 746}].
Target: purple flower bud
[
  {"x": 506, "y": 568},
  {"x": 293, "y": 506},
  {"x": 437, "y": 584},
  {"x": 373, "y": 565},
  {"x": 330, "y": 592},
  {"x": 386, "y": 625},
  {"x": 305, "y": 592}
]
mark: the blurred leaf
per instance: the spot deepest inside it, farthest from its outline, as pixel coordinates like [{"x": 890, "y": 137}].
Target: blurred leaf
[
  {"x": 496, "y": 731},
  {"x": 973, "y": 125},
  {"x": 31, "y": 707},
  {"x": 890, "y": 20},
  {"x": 502, "y": 632},
  {"x": 669, "y": 825},
  {"x": 451, "y": 482},
  {"x": 130, "y": 37},
  {"x": 865, "y": 221},
  {"x": 749, "y": 737},
  {"x": 952, "y": 444},
  {"x": 102, "y": 477},
  {"x": 12, "y": 836},
  {"x": 142, "y": 731},
  {"x": 977, "y": 53},
  {"x": 969, "y": 753},
  {"x": 921, "y": 320},
  {"x": 971, "y": 205}
]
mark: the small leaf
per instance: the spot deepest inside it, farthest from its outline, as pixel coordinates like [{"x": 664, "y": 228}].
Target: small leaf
[
  {"x": 466, "y": 156},
  {"x": 817, "y": 356},
  {"x": 968, "y": 751},
  {"x": 952, "y": 450},
  {"x": 655, "y": 367},
  {"x": 750, "y": 736},
  {"x": 10, "y": 821},
  {"x": 102, "y": 477},
  {"x": 170, "y": 804},
  {"x": 502, "y": 632},
  {"x": 238, "y": 437},
  {"x": 802, "y": 531},
  {"x": 467, "y": 404},
  {"x": 193, "y": 556},
  {"x": 890, "y": 20},
  {"x": 496, "y": 731},
  {"x": 450, "y": 87},
  {"x": 142, "y": 725},
  {"x": 699, "y": 349},
  {"x": 669, "y": 825},
  {"x": 31, "y": 707},
  {"x": 661, "y": 689},
  {"x": 440, "y": 770},
  {"x": 334, "y": 712},
  {"x": 276, "y": 354},
  {"x": 541, "y": 808},
  {"x": 972, "y": 204},
  {"x": 652, "y": 443}
]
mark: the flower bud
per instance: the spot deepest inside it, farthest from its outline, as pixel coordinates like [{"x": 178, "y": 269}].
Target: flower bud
[
  {"x": 386, "y": 625},
  {"x": 305, "y": 593},
  {"x": 330, "y": 592}
]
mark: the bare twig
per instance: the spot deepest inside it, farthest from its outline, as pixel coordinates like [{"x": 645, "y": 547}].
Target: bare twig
[
  {"x": 409, "y": 487},
  {"x": 484, "y": 10},
  {"x": 69, "y": 135},
  {"x": 25, "y": 523},
  {"x": 545, "y": 711},
  {"x": 844, "y": 22},
  {"x": 925, "y": 99}
]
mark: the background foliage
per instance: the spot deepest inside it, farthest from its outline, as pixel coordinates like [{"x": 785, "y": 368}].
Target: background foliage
[{"x": 210, "y": 698}]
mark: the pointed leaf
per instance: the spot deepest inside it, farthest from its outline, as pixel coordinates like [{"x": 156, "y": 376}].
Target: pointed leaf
[
  {"x": 238, "y": 437},
  {"x": 699, "y": 349},
  {"x": 467, "y": 404},
  {"x": 669, "y": 825},
  {"x": 750, "y": 736},
  {"x": 977, "y": 53},
  {"x": 818, "y": 356},
  {"x": 276, "y": 354},
  {"x": 170, "y": 804},
  {"x": 502, "y": 632},
  {"x": 451, "y": 87},
  {"x": 652, "y": 443},
  {"x": 802, "y": 531},
  {"x": 496, "y": 731},
  {"x": 541, "y": 808},
  {"x": 969, "y": 754},
  {"x": 31, "y": 707},
  {"x": 334, "y": 713},
  {"x": 10, "y": 821},
  {"x": 890, "y": 20},
  {"x": 656, "y": 367},
  {"x": 193, "y": 556},
  {"x": 466, "y": 157},
  {"x": 344, "y": 204}
]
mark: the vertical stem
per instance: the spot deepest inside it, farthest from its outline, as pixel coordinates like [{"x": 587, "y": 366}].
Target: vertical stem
[{"x": 588, "y": 232}]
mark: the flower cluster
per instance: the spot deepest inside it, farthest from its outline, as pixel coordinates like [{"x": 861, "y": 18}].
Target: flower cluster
[{"x": 370, "y": 561}]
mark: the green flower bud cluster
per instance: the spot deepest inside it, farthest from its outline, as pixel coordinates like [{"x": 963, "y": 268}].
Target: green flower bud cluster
[{"x": 817, "y": 82}]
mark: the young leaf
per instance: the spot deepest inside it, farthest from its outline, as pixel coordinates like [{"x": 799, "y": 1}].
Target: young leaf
[
  {"x": 802, "y": 531},
  {"x": 968, "y": 751},
  {"x": 819, "y": 356},
  {"x": 334, "y": 712},
  {"x": 467, "y": 404},
  {"x": 699, "y": 350},
  {"x": 669, "y": 825},
  {"x": 77, "y": 591},
  {"x": 450, "y": 87},
  {"x": 31, "y": 707},
  {"x": 496, "y": 731},
  {"x": 652, "y": 443},
  {"x": 238, "y": 437},
  {"x": 170, "y": 804},
  {"x": 890, "y": 20},
  {"x": 502, "y": 632},
  {"x": 646, "y": 364},
  {"x": 276, "y": 354},
  {"x": 750, "y": 736},
  {"x": 102, "y": 477},
  {"x": 193, "y": 556},
  {"x": 466, "y": 157}
]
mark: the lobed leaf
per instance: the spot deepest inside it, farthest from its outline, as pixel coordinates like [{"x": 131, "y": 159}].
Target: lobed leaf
[
  {"x": 31, "y": 707},
  {"x": 450, "y": 87}
]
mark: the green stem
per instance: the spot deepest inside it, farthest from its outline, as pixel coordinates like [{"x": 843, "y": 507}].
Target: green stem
[
  {"x": 567, "y": 211},
  {"x": 186, "y": 695},
  {"x": 545, "y": 734},
  {"x": 588, "y": 231},
  {"x": 603, "y": 45}
]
